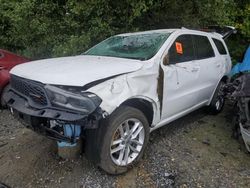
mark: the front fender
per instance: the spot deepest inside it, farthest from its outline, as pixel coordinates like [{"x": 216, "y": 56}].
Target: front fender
[
  {"x": 116, "y": 91},
  {"x": 112, "y": 92}
]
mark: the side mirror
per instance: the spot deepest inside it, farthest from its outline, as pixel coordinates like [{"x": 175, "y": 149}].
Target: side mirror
[{"x": 166, "y": 60}]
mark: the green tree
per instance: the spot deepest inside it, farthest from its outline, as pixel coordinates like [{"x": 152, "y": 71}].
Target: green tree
[{"x": 50, "y": 28}]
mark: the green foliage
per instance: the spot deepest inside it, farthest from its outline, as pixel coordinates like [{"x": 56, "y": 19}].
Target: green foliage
[
  {"x": 238, "y": 44},
  {"x": 51, "y": 28}
]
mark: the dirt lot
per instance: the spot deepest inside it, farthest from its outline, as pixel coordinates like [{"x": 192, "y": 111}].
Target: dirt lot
[{"x": 195, "y": 151}]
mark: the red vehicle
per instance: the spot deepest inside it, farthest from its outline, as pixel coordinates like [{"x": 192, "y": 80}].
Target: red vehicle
[{"x": 7, "y": 61}]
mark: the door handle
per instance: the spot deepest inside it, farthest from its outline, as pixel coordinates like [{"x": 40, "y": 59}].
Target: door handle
[{"x": 218, "y": 65}]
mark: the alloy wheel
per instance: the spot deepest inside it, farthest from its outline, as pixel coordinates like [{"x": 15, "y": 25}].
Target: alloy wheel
[{"x": 127, "y": 142}]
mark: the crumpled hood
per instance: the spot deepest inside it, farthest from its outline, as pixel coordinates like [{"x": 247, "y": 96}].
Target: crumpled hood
[{"x": 75, "y": 70}]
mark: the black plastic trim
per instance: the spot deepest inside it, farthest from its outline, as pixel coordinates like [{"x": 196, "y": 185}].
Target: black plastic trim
[{"x": 21, "y": 104}]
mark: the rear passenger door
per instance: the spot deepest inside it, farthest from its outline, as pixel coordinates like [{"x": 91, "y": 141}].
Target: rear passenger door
[{"x": 210, "y": 67}]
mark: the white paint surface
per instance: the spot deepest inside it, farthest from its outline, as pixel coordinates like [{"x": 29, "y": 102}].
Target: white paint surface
[{"x": 75, "y": 71}]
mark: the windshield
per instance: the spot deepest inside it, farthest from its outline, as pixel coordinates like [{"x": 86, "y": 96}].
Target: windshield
[{"x": 141, "y": 46}]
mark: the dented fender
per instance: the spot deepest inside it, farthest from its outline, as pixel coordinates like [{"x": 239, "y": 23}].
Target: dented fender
[{"x": 141, "y": 84}]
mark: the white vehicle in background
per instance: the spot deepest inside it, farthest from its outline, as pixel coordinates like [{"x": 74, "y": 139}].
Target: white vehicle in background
[{"x": 120, "y": 90}]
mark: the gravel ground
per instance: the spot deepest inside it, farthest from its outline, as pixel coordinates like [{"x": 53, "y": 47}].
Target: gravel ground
[{"x": 195, "y": 151}]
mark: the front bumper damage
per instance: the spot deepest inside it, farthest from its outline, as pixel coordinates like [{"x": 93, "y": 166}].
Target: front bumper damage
[{"x": 56, "y": 123}]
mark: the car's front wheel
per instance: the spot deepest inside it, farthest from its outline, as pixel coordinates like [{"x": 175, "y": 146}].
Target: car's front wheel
[{"x": 123, "y": 138}]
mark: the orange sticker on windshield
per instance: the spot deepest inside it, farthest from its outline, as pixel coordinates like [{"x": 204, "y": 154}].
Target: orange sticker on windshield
[{"x": 178, "y": 47}]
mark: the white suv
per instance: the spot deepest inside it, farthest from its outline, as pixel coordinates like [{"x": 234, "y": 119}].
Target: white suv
[{"x": 120, "y": 90}]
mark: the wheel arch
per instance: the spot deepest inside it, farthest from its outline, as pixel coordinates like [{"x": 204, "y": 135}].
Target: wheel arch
[
  {"x": 224, "y": 79},
  {"x": 146, "y": 106}
]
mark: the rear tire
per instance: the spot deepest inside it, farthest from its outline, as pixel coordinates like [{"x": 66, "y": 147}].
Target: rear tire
[
  {"x": 119, "y": 142},
  {"x": 218, "y": 100}
]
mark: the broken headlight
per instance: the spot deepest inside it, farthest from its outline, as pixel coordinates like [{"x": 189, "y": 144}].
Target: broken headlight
[{"x": 73, "y": 99}]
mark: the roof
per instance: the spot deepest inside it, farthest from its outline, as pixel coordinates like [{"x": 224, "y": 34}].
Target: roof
[{"x": 170, "y": 31}]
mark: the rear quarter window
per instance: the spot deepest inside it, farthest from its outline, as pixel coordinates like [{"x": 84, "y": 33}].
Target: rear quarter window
[
  {"x": 203, "y": 47},
  {"x": 220, "y": 46}
]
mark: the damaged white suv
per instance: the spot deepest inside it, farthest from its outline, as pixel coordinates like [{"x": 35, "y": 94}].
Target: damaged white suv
[{"x": 120, "y": 90}]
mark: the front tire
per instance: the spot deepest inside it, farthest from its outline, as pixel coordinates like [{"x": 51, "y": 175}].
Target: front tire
[{"x": 122, "y": 140}]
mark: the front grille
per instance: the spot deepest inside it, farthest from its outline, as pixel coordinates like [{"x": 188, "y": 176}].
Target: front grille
[{"x": 30, "y": 89}]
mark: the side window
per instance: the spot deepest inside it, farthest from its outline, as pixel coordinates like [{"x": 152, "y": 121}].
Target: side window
[
  {"x": 203, "y": 47},
  {"x": 182, "y": 49},
  {"x": 220, "y": 46}
]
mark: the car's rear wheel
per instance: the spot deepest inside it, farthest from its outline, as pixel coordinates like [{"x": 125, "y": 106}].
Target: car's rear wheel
[
  {"x": 218, "y": 100},
  {"x": 2, "y": 101},
  {"x": 123, "y": 138}
]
